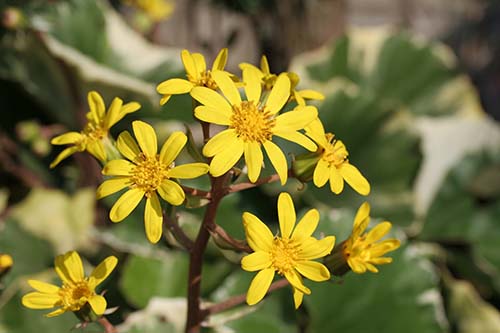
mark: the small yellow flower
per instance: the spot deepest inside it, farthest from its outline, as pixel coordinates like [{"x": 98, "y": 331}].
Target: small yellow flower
[
  {"x": 76, "y": 291},
  {"x": 268, "y": 80},
  {"x": 95, "y": 134},
  {"x": 147, "y": 173},
  {"x": 157, "y": 10},
  {"x": 6, "y": 263},
  {"x": 251, "y": 124},
  {"x": 363, "y": 251},
  {"x": 334, "y": 164},
  {"x": 290, "y": 254},
  {"x": 196, "y": 72}
]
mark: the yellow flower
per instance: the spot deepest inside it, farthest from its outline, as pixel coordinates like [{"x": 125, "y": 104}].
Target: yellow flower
[
  {"x": 363, "y": 251},
  {"x": 95, "y": 134},
  {"x": 334, "y": 164},
  {"x": 290, "y": 254},
  {"x": 157, "y": 10},
  {"x": 196, "y": 72},
  {"x": 76, "y": 290},
  {"x": 147, "y": 173},
  {"x": 268, "y": 80},
  {"x": 6, "y": 263},
  {"x": 251, "y": 123}
]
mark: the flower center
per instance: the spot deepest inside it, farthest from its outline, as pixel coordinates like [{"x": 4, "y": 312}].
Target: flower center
[
  {"x": 359, "y": 248},
  {"x": 335, "y": 152},
  {"x": 149, "y": 173},
  {"x": 251, "y": 123},
  {"x": 74, "y": 296},
  {"x": 205, "y": 80},
  {"x": 284, "y": 255}
]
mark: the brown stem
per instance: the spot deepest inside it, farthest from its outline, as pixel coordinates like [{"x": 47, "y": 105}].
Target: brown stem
[
  {"x": 108, "y": 327},
  {"x": 194, "y": 315},
  {"x": 196, "y": 192},
  {"x": 235, "y": 243},
  {"x": 245, "y": 186},
  {"x": 172, "y": 224},
  {"x": 239, "y": 299}
]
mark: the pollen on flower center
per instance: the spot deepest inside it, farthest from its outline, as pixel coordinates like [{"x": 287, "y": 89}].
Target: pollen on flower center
[
  {"x": 284, "y": 255},
  {"x": 74, "y": 296},
  {"x": 204, "y": 80},
  {"x": 251, "y": 123},
  {"x": 358, "y": 248},
  {"x": 149, "y": 173},
  {"x": 335, "y": 152}
]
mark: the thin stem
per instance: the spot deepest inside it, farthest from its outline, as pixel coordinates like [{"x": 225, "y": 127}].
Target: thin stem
[
  {"x": 239, "y": 299},
  {"x": 235, "y": 243},
  {"x": 172, "y": 224},
  {"x": 196, "y": 192},
  {"x": 244, "y": 186},
  {"x": 108, "y": 327}
]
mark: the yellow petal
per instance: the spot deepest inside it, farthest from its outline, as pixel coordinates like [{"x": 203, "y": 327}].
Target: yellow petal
[
  {"x": 381, "y": 248},
  {"x": 253, "y": 160},
  {"x": 279, "y": 94},
  {"x": 54, "y": 313},
  {"x": 336, "y": 180},
  {"x": 211, "y": 115},
  {"x": 298, "y": 138},
  {"x": 361, "y": 219},
  {"x": 118, "y": 168},
  {"x": 96, "y": 105},
  {"x": 379, "y": 231},
  {"x": 96, "y": 149},
  {"x": 226, "y": 159},
  {"x": 278, "y": 160},
  {"x": 381, "y": 261},
  {"x": 313, "y": 248},
  {"x": 212, "y": 99},
  {"x": 153, "y": 219},
  {"x": 354, "y": 178},
  {"x": 256, "y": 261},
  {"x": 117, "y": 111},
  {"x": 189, "y": 64},
  {"x": 174, "y": 87},
  {"x": 298, "y": 98},
  {"x": 296, "y": 120},
  {"x": 253, "y": 87},
  {"x": 146, "y": 137},
  {"x": 36, "y": 300},
  {"x": 127, "y": 146},
  {"x": 264, "y": 65},
  {"x": 98, "y": 304},
  {"x": 171, "y": 192},
  {"x": 259, "y": 286},
  {"x": 220, "y": 61},
  {"x": 311, "y": 94},
  {"x": 67, "y": 138},
  {"x": 306, "y": 225},
  {"x": 316, "y": 132},
  {"x": 227, "y": 86},
  {"x": 189, "y": 171},
  {"x": 258, "y": 235},
  {"x": 125, "y": 204},
  {"x": 111, "y": 186},
  {"x": 102, "y": 271},
  {"x": 357, "y": 266},
  {"x": 172, "y": 147},
  {"x": 63, "y": 155},
  {"x": 43, "y": 287},
  {"x": 297, "y": 297},
  {"x": 313, "y": 270},
  {"x": 286, "y": 214},
  {"x": 69, "y": 267},
  {"x": 164, "y": 99},
  {"x": 296, "y": 281},
  {"x": 321, "y": 173},
  {"x": 199, "y": 61},
  {"x": 218, "y": 142}
]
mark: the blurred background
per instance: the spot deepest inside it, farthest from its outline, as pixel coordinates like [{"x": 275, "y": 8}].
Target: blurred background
[{"x": 412, "y": 88}]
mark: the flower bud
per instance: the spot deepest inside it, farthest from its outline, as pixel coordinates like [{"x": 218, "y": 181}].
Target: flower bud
[{"x": 303, "y": 166}]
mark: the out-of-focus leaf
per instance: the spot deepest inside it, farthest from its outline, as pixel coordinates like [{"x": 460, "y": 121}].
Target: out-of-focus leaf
[
  {"x": 62, "y": 220},
  {"x": 407, "y": 287},
  {"x": 161, "y": 315}
]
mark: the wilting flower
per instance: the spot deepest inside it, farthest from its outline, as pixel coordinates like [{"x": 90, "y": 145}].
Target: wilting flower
[
  {"x": 157, "y": 10},
  {"x": 251, "y": 124},
  {"x": 291, "y": 254},
  {"x": 94, "y": 136},
  {"x": 334, "y": 165},
  {"x": 363, "y": 251},
  {"x": 76, "y": 291},
  {"x": 146, "y": 173},
  {"x": 268, "y": 80},
  {"x": 196, "y": 72}
]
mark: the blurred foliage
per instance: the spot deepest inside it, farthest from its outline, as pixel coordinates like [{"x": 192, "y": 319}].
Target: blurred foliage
[{"x": 444, "y": 278}]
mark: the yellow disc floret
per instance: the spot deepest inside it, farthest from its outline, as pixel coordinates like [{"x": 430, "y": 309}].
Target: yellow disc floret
[
  {"x": 252, "y": 124},
  {"x": 335, "y": 153},
  {"x": 149, "y": 173},
  {"x": 284, "y": 255}
]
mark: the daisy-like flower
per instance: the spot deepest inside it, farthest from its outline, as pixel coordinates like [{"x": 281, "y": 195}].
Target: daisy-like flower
[
  {"x": 268, "y": 80},
  {"x": 76, "y": 291},
  {"x": 333, "y": 164},
  {"x": 251, "y": 124},
  {"x": 146, "y": 174},
  {"x": 157, "y": 10},
  {"x": 196, "y": 72},
  {"x": 363, "y": 251},
  {"x": 94, "y": 136},
  {"x": 291, "y": 254}
]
